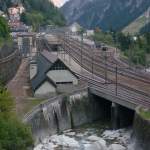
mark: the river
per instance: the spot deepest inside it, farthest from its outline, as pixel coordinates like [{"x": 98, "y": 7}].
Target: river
[{"x": 95, "y": 136}]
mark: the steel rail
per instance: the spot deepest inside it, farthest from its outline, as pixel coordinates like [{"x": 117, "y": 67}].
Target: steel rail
[
  {"x": 112, "y": 65},
  {"x": 109, "y": 80}
]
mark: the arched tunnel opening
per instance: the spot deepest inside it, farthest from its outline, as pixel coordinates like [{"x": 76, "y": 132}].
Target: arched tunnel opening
[{"x": 117, "y": 115}]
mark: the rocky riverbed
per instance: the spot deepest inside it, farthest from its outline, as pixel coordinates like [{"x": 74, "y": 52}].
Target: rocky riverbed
[{"x": 90, "y": 137}]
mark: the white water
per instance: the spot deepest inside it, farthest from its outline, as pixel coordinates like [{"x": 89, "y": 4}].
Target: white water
[{"x": 89, "y": 138}]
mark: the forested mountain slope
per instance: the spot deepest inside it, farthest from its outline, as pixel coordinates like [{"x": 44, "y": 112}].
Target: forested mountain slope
[
  {"x": 38, "y": 12},
  {"x": 105, "y": 14}
]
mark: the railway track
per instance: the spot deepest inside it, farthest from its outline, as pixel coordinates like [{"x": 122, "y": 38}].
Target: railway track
[
  {"x": 101, "y": 63},
  {"x": 123, "y": 93},
  {"x": 131, "y": 87},
  {"x": 99, "y": 68},
  {"x": 111, "y": 62}
]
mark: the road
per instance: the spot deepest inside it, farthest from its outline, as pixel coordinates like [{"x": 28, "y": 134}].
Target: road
[{"x": 19, "y": 86}]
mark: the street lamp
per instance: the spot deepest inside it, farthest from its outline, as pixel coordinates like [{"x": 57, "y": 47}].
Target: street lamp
[{"x": 81, "y": 32}]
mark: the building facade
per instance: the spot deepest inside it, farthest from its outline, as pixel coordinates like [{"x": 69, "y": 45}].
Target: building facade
[{"x": 49, "y": 72}]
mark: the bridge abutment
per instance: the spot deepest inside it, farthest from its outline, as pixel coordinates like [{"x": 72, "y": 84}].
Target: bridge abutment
[{"x": 121, "y": 116}]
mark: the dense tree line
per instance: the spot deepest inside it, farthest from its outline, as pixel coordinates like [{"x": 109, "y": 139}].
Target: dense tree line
[
  {"x": 135, "y": 48},
  {"x": 38, "y": 12},
  {"x": 4, "y": 32},
  {"x": 14, "y": 135},
  {"x": 145, "y": 29},
  {"x": 41, "y": 12},
  {"x": 4, "y": 29}
]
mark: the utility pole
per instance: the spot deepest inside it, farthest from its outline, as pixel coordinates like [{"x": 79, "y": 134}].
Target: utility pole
[
  {"x": 105, "y": 67},
  {"x": 105, "y": 59},
  {"x": 92, "y": 65},
  {"x": 130, "y": 56},
  {"x": 64, "y": 45},
  {"x": 147, "y": 31},
  {"x": 116, "y": 80},
  {"x": 81, "y": 50},
  {"x": 69, "y": 48}
]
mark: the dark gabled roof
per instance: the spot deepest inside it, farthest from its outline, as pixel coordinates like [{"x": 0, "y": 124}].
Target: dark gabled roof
[
  {"x": 45, "y": 61},
  {"x": 42, "y": 66},
  {"x": 49, "y": 56}
]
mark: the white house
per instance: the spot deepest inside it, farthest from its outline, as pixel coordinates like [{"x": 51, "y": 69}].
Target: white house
[
  {"x": 75, "y": 27},
  {"x": 89, "y": 32},
  {"x": 3, "y": 14},
  {"x": 16, "y": 10}
]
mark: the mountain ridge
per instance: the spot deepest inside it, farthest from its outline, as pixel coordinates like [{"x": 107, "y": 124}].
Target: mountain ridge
[
  {"x": 105, "y": 14},
  {"x": 138, "y": 24}
]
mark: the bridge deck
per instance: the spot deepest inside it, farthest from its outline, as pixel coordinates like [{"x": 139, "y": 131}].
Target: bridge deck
[{"x": 125, "y": 97}]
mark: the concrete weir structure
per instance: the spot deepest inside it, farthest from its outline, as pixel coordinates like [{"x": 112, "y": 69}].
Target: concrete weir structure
[
  {"x": 59, "y": 113},
  {"x": 66, "y": 112},
  {"x": 69, "y": 111}
]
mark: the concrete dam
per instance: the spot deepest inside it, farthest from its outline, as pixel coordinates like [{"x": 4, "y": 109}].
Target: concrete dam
[{"x": 67, "y": 112}]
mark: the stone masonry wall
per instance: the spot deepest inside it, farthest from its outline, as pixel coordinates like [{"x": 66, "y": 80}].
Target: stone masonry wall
[{"x": 9, "y": 63}]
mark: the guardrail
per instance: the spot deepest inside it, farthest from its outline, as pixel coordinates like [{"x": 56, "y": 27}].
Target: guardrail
[
  {"x": 10, "y": 57},
  {"x": 9, "y": 66}
]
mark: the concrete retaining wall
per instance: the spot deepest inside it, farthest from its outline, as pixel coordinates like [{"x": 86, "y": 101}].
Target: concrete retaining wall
[
  {"x": 141, "y": 132},
  {"x": 9, "y": 64},
  {"x": 64, "y": 112}
]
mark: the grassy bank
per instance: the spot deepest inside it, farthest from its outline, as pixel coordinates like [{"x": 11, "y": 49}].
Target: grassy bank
[{"x": 145, "y": 113}]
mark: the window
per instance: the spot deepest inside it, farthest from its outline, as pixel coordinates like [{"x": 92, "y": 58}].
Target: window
[{"x": 59, "y": 66}]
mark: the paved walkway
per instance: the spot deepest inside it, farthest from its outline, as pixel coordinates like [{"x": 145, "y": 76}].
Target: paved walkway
[{"x": 19, "y": 86}]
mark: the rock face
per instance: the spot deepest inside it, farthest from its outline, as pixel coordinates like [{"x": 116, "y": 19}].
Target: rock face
[
  {"x": 105, "y": 14},
  {"x": 141, "y": 132}
]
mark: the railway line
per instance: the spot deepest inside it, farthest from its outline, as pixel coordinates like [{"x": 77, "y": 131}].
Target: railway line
[
  {"x": 102, "y": 75},
  {"x": 127, "y": 85},
  {"x": 100, "y": 67},
  {"x": 122, "y": 93},
  {"x": 111, "y": 62},
  {"x": 126, "y": 93},
  {"x": 112, "y": 68}
]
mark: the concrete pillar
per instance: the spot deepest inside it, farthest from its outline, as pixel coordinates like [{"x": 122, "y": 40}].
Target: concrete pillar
[
  {"x": 115, "y": 116},
  {"x": 121, "y": 116}
]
